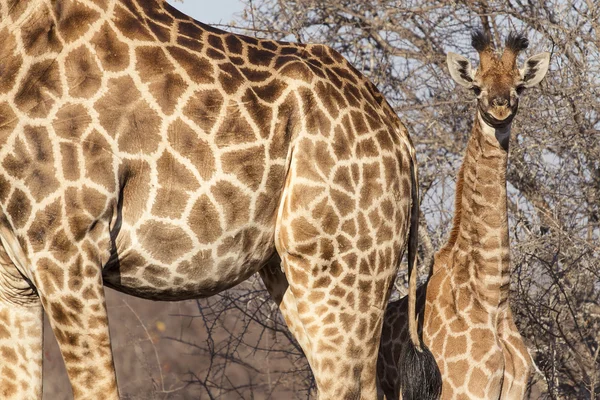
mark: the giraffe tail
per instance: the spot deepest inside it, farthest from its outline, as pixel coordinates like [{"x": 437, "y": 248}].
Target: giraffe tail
[{"x": 420, "y": 377}]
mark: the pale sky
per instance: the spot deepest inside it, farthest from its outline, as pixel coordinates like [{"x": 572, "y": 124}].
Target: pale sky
[{"x": 210, "y": 11}]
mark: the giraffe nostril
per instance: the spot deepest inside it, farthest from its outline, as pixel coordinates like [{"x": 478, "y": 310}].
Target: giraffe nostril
[{"x": 499, "y": 101}]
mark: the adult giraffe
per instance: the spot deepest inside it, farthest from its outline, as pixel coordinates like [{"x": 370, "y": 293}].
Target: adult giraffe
[
  {"x": 467, "y": 321},
  {"x": 170, "y": 160}
]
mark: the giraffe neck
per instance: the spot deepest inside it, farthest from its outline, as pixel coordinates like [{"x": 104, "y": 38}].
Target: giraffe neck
[{"x": 478, "y": 248}]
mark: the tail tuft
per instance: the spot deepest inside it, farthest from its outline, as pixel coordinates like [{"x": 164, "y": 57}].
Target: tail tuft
[{"x": 420, "y": 378}]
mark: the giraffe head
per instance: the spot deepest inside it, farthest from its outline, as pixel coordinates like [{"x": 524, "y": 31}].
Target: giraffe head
[{"x": 498, "y": 82}]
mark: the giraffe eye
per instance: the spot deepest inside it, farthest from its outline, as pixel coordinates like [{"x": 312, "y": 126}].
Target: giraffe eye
[
  {"x": 476, "y": 90},
  {"x": 520, "y": 89}
]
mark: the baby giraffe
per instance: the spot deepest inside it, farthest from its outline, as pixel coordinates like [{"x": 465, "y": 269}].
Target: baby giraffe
[{"x": 465, "y": 314}]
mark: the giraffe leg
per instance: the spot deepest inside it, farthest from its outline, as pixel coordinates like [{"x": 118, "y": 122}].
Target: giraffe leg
[
  {"x": 73, "y": 298},
  {"x": 343, "y": 365},
  {"x": 21, "y": 325},
  {"x": 277, "y": 286},
  {"x": 340, "y": 340},
  {"x": 21, "y": 331}
]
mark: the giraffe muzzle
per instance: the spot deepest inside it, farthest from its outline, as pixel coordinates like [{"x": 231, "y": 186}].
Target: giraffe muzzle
[{"x": 498, "y": 117}]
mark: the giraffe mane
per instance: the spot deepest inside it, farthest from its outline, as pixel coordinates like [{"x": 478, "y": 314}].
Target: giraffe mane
[{"x": 456, "y": 220}]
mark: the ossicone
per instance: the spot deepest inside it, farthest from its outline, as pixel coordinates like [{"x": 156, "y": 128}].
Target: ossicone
[
  {"x": 480, "y": 40},
  {"x": 516, "y": 42}
]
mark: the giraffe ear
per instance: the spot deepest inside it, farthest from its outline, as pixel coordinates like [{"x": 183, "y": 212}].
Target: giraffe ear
[
  {"x": 535, "y": 69},
  {"x": 460, "y": 69}
]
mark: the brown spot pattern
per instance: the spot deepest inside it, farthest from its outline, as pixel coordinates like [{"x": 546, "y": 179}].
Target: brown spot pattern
[
  {"x": 11, "y": 61},
  {"x": 40, "y": 85},
  {"x": 84, "y": 76},
  {"x": 113, "y": 54},
  {"x": 187, "y": 143},
  {"x": 204, "y": 220},
  {"x": 164, "y": 242},
  {"x": 71, "y": 121}
]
